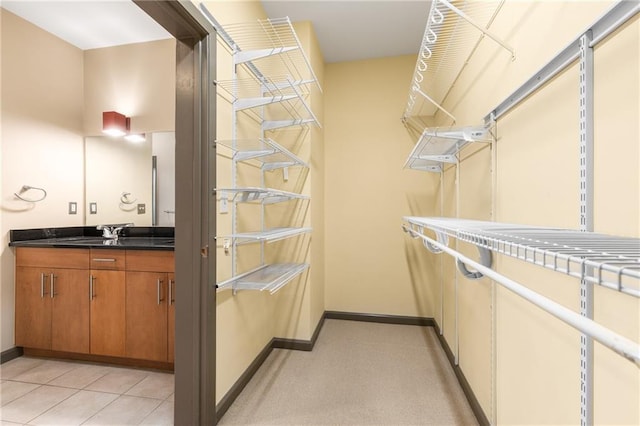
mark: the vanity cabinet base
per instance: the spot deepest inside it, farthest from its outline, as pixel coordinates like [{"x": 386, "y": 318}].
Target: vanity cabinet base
[
  {"x": 103, "y": 305},
  {"x": 127, "y": 362}
]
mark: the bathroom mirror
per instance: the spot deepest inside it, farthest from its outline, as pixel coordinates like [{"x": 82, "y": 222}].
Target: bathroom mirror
[{"x": 130, "y": 182}]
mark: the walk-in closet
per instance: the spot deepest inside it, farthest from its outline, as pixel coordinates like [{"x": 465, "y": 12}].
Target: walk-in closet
[{"x": 381, "y": 213}]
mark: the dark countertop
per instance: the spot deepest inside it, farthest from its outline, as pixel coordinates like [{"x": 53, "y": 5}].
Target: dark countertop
[{"x": 132, "y": 238}]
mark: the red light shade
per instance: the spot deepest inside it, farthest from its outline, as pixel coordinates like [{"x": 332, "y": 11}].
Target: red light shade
[{"x": 114, "y": 123}]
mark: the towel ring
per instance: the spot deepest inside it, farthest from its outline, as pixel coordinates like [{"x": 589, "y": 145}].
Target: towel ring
[
  {"x": 26, "y": 188},
  {"x": 124, "y": 198}
]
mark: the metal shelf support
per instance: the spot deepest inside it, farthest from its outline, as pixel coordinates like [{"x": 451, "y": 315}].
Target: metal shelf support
[
  {"x": 586, "y": 218},
  {"x": 620, "y": 13}
]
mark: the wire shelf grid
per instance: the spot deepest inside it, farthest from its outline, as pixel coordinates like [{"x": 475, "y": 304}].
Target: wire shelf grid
[
  {"x": 261, "y": 195},
  {"x": 605, "y": 260},
  {"x": 265, "y": 152},
  {"x": 269, "y": 278},
  {"x": 272, "y": 46},
  {"x": 441, "y": 145},
  {"x": 448, "y": 42},
  {"x": 270, "y": 99},
  {"x": 267, "y": 235}
]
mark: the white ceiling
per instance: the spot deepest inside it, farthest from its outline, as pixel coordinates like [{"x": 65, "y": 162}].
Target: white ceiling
[
  {"x": 90, "y": 24},
  {"x": 346, "y": 30},
  {"x": 359, "y": 29}
]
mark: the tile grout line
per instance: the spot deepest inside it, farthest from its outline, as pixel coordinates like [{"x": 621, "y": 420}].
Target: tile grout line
[
  {"x": 53, "y": 406},
  {"x": 159, "y": 401},
  {"x": 152, "y": 411}
]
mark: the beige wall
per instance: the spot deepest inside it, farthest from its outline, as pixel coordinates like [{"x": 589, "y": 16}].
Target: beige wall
[
  {"x": 370, "y": 266},
  {"x": 42, "y": 138},
  {"x": 53, "y": 94},
  {"x": 137, "y": 80}
]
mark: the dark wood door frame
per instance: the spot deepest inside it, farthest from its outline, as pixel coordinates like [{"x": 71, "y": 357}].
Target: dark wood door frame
[{"x": 195, "y": 208}]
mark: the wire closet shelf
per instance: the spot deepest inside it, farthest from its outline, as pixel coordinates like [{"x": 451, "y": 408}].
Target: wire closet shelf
[
  {"x": 260, "y": 195},
  {"x": 272, "y": 47},
  {"x": 609, "y": 261},
  {"x": 264, "y": 153},
  {"x": 274, "y": 102},
  {"x": 269, "y": 278},
  {"x": 268, "y": 235},
  {"x": 453, "y": 32},
  {"x": 438, "y": 146}
]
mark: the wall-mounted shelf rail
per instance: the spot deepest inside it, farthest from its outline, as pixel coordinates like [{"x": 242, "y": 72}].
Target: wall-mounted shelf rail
[
  {"x": 441, "y": 145},
  {"x": 264, "y": 152},
  {"x": 260, "y": 195},
  {"x": 451, "y": 36},
  {"x": 605, "y": 260},
  {"x": 269, "y": 278},
  {"x": 268, "y": 235},
  {"x": 566, "y": 251}
]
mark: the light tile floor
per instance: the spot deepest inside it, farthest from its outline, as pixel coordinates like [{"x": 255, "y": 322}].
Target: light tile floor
[{"x": 36, "y": 391}]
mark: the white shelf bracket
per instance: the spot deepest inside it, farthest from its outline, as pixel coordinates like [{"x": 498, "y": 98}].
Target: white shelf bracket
[
  {"x": 486, "y": 259},
  {"x": 430, "y": 99},
  {"x": 247, "y": 103},
  {"x": 243, "y": 56}
]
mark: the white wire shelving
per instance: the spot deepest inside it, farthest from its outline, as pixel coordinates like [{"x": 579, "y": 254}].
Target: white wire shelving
[
  {"x": 609, "y": 261},
  {"x": 441, "y": 145},
  {"x": 269, "y": 278},
  {"x": 272, "y": 84},
  {"x": 260, "y": 195},
  {"x": 274, "y": 102},
  {"x": 267, "y": 235},
  {"x": 452, "y": 33},
  {"x": 272, "y": 47},
  {"x": 262, "y": 152},
  {"x": 605, "y": 260}
]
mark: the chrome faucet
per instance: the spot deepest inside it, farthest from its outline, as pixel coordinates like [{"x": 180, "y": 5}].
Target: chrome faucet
[{"x": 112, "y": 231}]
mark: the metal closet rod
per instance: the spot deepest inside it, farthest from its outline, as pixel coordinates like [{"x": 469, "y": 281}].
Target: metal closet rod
[{"x": 619, "y": 344}]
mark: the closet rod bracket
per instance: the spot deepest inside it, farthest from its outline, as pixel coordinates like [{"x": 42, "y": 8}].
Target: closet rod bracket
[{"x": 486, "y": 259}]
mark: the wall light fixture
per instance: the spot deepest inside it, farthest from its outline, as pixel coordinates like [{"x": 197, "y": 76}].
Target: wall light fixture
[{"x": 116, "y": 124}]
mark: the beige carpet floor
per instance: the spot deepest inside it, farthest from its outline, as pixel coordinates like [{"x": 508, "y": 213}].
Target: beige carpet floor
[{"x": 358, "y": 373}]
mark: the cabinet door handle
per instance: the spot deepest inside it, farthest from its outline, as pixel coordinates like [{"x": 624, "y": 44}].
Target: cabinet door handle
[
  {"x": 171, "y": 301},
  {"x": 98, "y": 259},
  {"x": 91, "y": 278},
  {"x": 42, "y": 278},
  {"x": 159, "y": 288},
  {"x": 52, "y": 282}
]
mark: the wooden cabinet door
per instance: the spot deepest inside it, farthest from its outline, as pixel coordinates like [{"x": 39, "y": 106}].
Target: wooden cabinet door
[
  {"x": 171, "y": 318},
  {"x": 70, "y": 310},
  {"x": 33, "y": 308},
  {"x": 146, "y": 313},
  {"x": 108, "y": 312}
]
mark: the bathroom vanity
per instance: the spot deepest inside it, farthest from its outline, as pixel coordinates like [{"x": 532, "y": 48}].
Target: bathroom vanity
[{"x": 81, "y": 296}]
